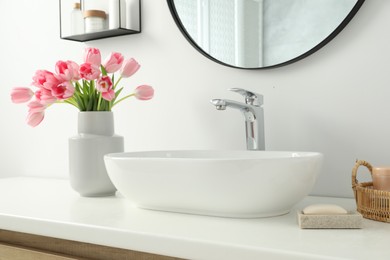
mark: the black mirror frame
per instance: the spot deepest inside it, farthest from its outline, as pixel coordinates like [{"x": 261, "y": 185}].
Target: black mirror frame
[{"x": 342, "y": 25}]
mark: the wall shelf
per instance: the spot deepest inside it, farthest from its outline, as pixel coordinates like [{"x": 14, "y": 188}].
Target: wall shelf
[
  {"x": 122, "y": 17},
  {"x": 99, "y": 35}
]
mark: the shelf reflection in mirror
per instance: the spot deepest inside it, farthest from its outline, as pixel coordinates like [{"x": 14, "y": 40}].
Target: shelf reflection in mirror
[{"x": 261, "y": 33}]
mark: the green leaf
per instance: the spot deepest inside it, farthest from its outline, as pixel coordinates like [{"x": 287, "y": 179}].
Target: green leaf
[
  {"x": 85, "y": 87},
  {"x": 90, "y": 104},
  {"x": 77, "y": 87},
  {"x": 79, "y": 102},
  {"x": 91, "y": 86},
  {"x": 116, "y": 95},
  {"x": 103, "y": 69}
]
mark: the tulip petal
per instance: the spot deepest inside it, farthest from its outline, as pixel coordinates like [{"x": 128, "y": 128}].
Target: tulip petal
[
  {"x": 129, "y": 67},
  {"x": 144, "y": 92},
  {"x": 21, "y": 94},
  {"x": 35, "y": 118},
  {"x": 109, "y": 95}
]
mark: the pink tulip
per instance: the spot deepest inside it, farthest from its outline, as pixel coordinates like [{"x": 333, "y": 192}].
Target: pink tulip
[
  {"x": 45, "y": 79},
  {"x": 89, "y": 71},
  {"x": 144, "y": 92},
  {"x": 35, "y": 118},
  {"x": 67, "y": 70},
  {"x": 45, "y": 96},
  {"x": 64, "y": 70},
  {"x": 63, "y": 91},
  {"x": 92, "y": 56},
  {"x": 75, "y": 69},
  {"x": 21, "y": 95},
  {"x": 35, "y": 106},
  {"x": 36, "y": 113},
  {"x": 113, "y": 62},
  {"x": 109, "y": 95},
  {"x": 129, "y": 67},
  {"x": 104, "y": 85}
]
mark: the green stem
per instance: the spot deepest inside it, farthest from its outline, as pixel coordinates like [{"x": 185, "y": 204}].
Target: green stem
[
  {"x": 120, "y": 100},
  {"x": 71, "y": 101},
  {"x": 116, "y": 83},
  {"x": 99, "y": 101}
]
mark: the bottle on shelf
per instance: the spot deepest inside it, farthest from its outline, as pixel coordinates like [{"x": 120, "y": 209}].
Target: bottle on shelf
[{"x": 76, "y": 20}]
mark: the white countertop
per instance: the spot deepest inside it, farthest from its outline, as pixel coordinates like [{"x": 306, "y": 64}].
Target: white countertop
[{"x": 49, "y": 207}]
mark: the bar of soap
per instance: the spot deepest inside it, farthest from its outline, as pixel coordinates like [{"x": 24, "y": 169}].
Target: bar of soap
[{"x": 324, "y": 209}]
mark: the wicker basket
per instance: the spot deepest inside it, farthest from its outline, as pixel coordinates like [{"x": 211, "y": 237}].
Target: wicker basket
[{"x": 371, "y": 203}]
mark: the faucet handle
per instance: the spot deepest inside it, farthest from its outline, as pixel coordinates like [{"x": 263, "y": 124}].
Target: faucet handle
[{"x": 251, "y": 98}]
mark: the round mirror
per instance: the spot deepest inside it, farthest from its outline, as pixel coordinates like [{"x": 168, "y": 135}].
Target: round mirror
[{"x": 258, "y": 34}]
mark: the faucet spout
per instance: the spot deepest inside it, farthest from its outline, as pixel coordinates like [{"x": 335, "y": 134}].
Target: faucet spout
[
  {"x": 253, "y": 114},
  {"x": 219, "y": 104}
]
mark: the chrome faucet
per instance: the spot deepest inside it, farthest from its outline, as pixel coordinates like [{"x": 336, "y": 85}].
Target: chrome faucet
[{"x": 253, "y": 113}]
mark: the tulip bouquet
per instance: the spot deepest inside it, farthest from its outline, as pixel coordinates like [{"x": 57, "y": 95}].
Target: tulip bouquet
[{"x": 88, "y": 86}]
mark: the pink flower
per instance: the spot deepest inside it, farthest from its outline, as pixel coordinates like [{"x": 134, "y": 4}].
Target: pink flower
[
  {"x": 144, "y": 92},
  {"x": 129, "y": 67},
  {"x": 89, "y": 71},
  {"x": 104, "y": 85},
  {"x": 35, "y": 106},
  {"x": 75, "y": 67},
  {"x": 109, "y": 95},
  {"x": 63, "y": 91},
  {"x": 83, "y": 86},
  {"x": 21, "y": 95},
  {"x": 35, "y": 118},
  {"x": 36, "y": 113},
  {"x": 113, "y": 62},
  {"x": 64, "y": 70},
  {"x": 45, "y": 96},
  {"x": 45, "y": 79},
  {"x": 92, "y": 56}
]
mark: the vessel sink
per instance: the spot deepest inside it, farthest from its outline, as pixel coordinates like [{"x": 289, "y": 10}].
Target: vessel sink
[{"x": 239, "y": 184}]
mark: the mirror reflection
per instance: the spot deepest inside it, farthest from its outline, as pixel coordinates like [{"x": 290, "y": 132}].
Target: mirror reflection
[{"x": 259, "y": 33}]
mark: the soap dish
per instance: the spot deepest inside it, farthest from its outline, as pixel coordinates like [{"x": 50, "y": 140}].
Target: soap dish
[{"x": 351, "y": 220}]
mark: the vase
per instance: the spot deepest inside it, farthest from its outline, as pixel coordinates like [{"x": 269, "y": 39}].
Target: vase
[{"x": 96, "y": 137}]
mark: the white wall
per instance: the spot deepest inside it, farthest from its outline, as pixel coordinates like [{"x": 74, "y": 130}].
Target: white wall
[{"x": 335, "y": 101}]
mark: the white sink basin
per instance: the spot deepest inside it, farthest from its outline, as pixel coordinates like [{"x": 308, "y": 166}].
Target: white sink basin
[{"x": 242, "y": 184}]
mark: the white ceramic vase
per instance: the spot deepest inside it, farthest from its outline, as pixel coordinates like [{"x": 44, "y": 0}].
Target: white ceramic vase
[{"x": 96, "y": 137}]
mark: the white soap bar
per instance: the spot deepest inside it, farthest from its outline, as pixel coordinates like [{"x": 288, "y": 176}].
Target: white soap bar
[{"x": 324, "y": 209}]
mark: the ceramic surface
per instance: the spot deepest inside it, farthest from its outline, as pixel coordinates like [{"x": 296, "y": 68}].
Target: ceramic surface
[
  {"x": 95, "y": 138},
  {"x": 243, "y": 184}
]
